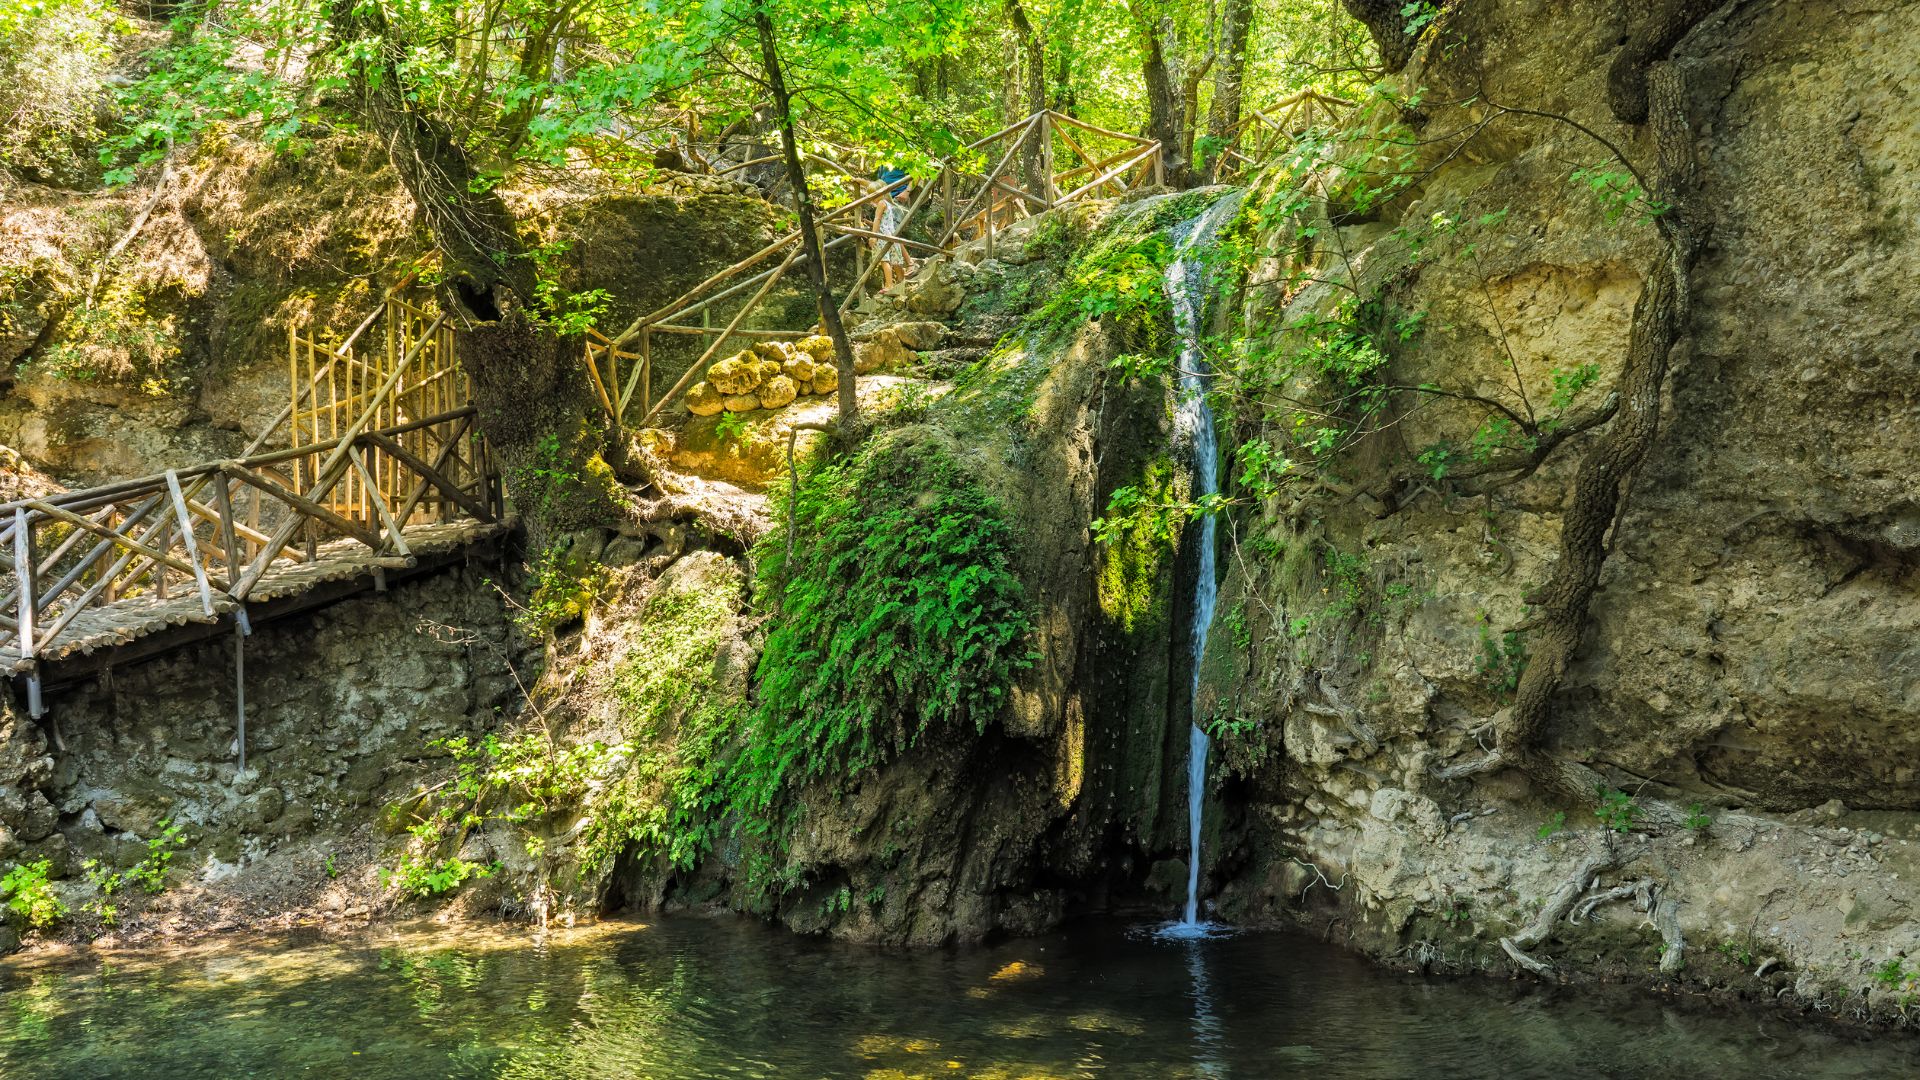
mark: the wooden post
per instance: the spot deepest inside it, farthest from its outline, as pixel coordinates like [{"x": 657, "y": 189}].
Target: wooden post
[
  {"x": 240, "y": 684},
  {"x": 187, "y": 540},
  {"x": 23, "y": 570},
  {"x": 223, "y": 505},
  {"x": 1048, "y": 190}
]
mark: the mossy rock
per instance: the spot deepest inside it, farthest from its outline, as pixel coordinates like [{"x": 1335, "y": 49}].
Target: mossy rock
[
  {"x": 704, "y": 400},
  {"x": 819, "y": 347},
  {"x": 826, "y": 379},
  {"x": 773, "y": 350},
  {"x": 737, "y": 374},
  {"x": 777, "y": 392},
  {"x": 739, "y": 403},
  {"x": 800, "y": 369}
]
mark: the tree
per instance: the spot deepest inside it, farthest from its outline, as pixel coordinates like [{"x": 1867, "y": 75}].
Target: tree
[
  {"x": 1223, "y": 113},
  {"x": 813, "y": 252}
]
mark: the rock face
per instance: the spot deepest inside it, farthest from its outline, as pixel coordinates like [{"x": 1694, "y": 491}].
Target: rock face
[
  {"x": 344, "y": 706},
  {"x": 1752, "y": 646}
]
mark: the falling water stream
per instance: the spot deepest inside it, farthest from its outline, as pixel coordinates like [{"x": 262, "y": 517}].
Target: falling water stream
[{"x": 1186, "y": 291}]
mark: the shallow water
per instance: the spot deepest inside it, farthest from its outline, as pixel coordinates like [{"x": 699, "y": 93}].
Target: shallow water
[{"x": 689, "y": 997}]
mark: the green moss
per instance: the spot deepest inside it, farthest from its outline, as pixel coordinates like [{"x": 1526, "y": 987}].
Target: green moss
[{"x": 1130, "y": 575}]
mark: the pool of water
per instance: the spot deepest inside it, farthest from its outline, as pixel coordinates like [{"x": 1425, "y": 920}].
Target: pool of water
[{"x": 692, "y": 997}]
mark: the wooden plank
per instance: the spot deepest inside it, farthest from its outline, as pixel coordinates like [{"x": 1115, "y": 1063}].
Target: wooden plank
[
  {"x": 223, "y": 505},
  {"x": 155, "y": 554},
  {"x": 1110, "y": 174},
  {"x": 23, "y": 570}
]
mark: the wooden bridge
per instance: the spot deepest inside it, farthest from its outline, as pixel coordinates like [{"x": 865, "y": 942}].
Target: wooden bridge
[
  {"x": 374, "y": 467},
  {"x": 1044, "y": 161},
  {"x": 1047, "y": 160}
]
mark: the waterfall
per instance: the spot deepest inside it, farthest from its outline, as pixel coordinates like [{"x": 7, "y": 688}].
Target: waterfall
[{"x": 1186, "y": 291}]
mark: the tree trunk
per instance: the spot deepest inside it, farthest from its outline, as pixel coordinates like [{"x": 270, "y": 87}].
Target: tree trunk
[
  {"x": 1034, "y": 52},
  {"x": 1166, "y": 111},
  {"x": 531, "y": 396},
  {"x": 813, "y": 253},
  {"x": 1385, "y": 21},
  {"x": 1223, "y": 115}
]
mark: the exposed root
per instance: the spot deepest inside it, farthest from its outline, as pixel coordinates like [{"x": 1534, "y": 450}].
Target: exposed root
[
  {"x": 1640, "y": 892},
  {"x": 1523, "y": 959},
  {"x": 1488, "y": 762},
  {"x": 1563, "y": 898},
  {"x": 1666, "y": 919}
]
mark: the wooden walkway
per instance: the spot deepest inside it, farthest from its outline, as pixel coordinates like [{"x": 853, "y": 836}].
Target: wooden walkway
[
  {"x": 377, "y": 469},
  {"x": 1044, "y": 161}
]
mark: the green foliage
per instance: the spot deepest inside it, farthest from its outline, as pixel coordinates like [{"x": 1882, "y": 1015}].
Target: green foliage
[
  {"x": 1569, "y": 382},
  {"x": 1893, "y": 972},
  {"x": 55, "y": 59},
  {"x": 1616, "y": 809},
  {"x": 29, "y": 895},
  {"x": 328, "y": 867},
  {"x": 561, "y": 590},
  {"x": 150, "y": 873},
  {"x": 899, "y": 611},
  {"x": 1697, "y": 818},
  {"x": 569, "y": 314},
  {"x": 1553, "y": 824},
  {"x": 1503, "y": 657},
  {"x": 730, "y": 426},
  {"x": 1619, "y": 193},
  {"x": 1122, "y": 277},
  {"x": 1418, "y": 16},
  {"x": 1737, "y": 953},
  {"x": 422, "y": 878}
]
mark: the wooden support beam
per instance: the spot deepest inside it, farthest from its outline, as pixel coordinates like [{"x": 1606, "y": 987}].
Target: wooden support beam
[
  {"x": 701, "y": 364},
  {"x": 156, "y": 555},
  {"x": 433, "y": 474},
  {"x": 187, "y": 539},
  {"x": 398, "y": 541},
  {"x": 307, "y": 505}
]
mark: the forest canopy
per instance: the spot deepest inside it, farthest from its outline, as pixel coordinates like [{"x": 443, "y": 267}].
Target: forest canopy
[{"x": 529, "y": 85}]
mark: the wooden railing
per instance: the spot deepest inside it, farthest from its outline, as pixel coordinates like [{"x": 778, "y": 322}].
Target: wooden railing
[
  {"x": 974, "y": 204},
  {"x": 1261, "y": 135},
  {"x": 374, "y": 446}
]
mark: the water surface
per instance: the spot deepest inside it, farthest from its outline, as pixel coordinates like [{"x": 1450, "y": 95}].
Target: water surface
[{"x": 687, "y": 997}]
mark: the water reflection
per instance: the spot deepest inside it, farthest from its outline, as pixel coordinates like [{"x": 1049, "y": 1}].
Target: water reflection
[{"x": 701, "y": 998}]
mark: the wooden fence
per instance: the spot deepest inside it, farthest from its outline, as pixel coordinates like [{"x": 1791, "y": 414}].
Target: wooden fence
[
  {"x": 974, "y": 203},
  {"x": 371, "y": 445}
]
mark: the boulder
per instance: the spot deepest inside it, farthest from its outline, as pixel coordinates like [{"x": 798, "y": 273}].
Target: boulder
[
  {"x": 704, "y": 400},
  {"x": 737, "y": 374},
  {"x": 777, "y": 392},
  {"x": 741, "y": 402},
  {"x": 819, "y": 347},
  {"x": 825, "y": 379},
  {"x": 770, "y": 369},
  {"x": 920, "y": 336},
  {"x": 773, "y": 350},
  {"x": 799, "y": 369},
  {"x": 882, "y": 352},
  {"x": 937, "y": 290}
]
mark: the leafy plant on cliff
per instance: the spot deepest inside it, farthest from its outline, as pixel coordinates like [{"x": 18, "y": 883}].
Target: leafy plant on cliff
[
  {"x": 29, "y": 895},
  {"x": 898, "y": 611}
]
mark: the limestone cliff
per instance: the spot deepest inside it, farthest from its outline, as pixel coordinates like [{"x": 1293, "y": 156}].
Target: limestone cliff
[{"x": 1750, "y": 655}]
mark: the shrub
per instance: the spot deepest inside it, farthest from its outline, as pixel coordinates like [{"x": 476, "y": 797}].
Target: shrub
[
  {"x": 899, "y": 611},
  {"x": 29, "y": 895}
]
